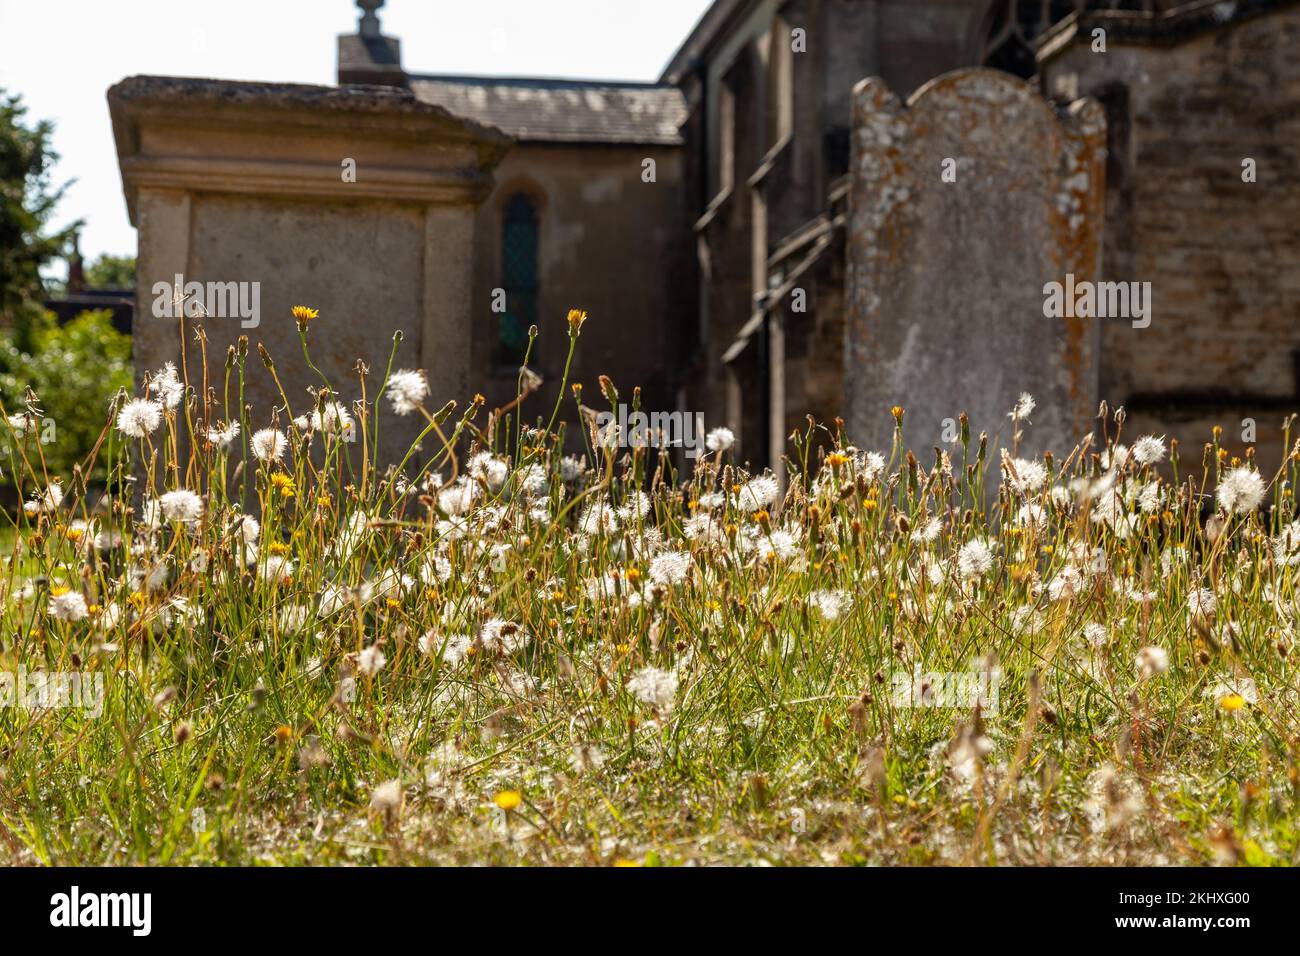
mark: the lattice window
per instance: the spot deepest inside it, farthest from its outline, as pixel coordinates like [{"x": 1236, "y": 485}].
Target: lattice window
[
  {"x": 519, "y": 260},
  {"x": 1018, "y": 25}
]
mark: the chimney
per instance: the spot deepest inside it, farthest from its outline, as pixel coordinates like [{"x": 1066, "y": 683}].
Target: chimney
[
  {"x": 368, "y": 56},
  {"x": 76, "y": 271}
]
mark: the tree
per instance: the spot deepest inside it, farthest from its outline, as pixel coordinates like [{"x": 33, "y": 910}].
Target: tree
[
  {"x": 27, "y": 201},
  {"x": 74, "y": 369},
  {"x": 115, "y": 272}
]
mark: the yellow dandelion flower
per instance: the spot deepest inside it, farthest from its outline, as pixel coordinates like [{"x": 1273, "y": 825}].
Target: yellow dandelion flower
[
  {"x": 283, "y": 734},
  {"x": 835, "y": 459},
  {"x": 304, "y": 313},
  {"x": 576, "y": 318},
  {"x": 1232, "y": 702},
  {"x": 508, "y": 800},
  {"x": 283, "y": 484},
  {"x": 59, "y": 590}
]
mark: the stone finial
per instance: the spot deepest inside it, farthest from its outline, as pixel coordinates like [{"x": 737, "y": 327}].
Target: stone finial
[
  {"x": 368, "y": 56},
  {"x": 369, "y": 25}
]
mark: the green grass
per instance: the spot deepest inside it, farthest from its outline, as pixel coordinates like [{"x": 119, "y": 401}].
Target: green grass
[{"x": 239, "y": 723}]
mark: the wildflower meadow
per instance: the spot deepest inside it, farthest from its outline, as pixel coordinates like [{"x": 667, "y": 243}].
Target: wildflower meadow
[{"x": 252, "y": 641}]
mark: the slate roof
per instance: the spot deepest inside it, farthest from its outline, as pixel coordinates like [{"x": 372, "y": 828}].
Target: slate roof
[{"x": 561, "y": 111}]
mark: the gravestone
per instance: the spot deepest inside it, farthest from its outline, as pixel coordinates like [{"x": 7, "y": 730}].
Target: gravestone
[{"x": 965, "y": 203}]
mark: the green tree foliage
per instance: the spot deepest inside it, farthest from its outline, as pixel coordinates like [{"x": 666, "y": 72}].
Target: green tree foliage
[
  {"x": 117, "y": 272},
  {"x": 27, "y": 201},
  {"x": 74, "y": 371}
]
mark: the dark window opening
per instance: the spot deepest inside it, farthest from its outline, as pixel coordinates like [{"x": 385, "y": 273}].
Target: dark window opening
[
  {"x": 1018, "y": 26},
  {"x": 519, "y": 244}
]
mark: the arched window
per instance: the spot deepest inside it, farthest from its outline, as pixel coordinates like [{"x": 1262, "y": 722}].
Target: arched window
[{"x": 519, "y": 241}]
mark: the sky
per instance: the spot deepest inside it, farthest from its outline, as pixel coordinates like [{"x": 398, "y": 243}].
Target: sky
[{"x": 63, "y": 55}]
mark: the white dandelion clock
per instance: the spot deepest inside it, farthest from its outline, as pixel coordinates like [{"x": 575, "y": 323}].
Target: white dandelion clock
[
  {"x": 975, "y": 559},
  {"x": 387, "y": 798},
  {"x": 223, "y": 435},
  {"x": 269, "y": 445},
  {"x": 167, "y": 386},
  {"x": 1148, "y": 450},
  {"x": 670, "y": 568},
  {"x": 1201, "y": 602},
  {"x": 720, "y": 439},
  {"x": 139, "y": 417},
  {"x": 1240, "y": 490},
  {"x": 757, "y": 493},
  {"x": 371, "y": 661},
  {"x": 66, "y": 605},
  {"x": 831, "y": 605},
  {"x": 1025, "y": 406},
  {"x": 407, "y": 391},
  {"x": 181, "y": 505},
  {"x": 1151, "y": 662},
  {"x": 654, "y": 687}
]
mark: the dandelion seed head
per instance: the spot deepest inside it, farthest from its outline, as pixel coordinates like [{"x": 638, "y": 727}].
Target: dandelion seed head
[
  {"x": 139, "y": 417},
  {"x": 269, "y": 445},
  {"x": 1241, "y": 490}
]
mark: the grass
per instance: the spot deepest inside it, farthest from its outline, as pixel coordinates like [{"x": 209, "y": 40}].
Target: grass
[{"x": 507, "y": 655}]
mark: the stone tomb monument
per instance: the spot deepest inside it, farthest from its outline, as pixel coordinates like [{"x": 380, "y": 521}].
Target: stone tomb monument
[{"x": 358, "y": 200}]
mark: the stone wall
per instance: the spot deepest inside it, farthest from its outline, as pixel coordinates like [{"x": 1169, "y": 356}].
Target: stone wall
[
  {"x": 609, "y": 243},
  {"x": 1221, "y": 254}
]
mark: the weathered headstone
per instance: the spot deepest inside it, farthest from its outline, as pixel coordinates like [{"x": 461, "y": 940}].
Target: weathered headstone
[
  {"x": 965, "y": 203},
  {"x": 357, "y": 201}
]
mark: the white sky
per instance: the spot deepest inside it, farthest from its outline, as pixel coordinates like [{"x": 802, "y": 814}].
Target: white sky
[{"x": 63, "y": 55}]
